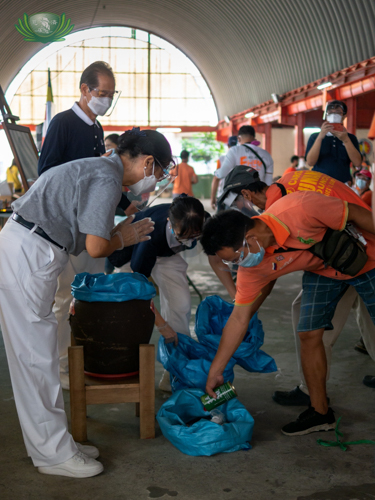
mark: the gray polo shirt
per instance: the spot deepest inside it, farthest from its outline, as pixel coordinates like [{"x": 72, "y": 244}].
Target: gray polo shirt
[{"x": 75, "y": 199}]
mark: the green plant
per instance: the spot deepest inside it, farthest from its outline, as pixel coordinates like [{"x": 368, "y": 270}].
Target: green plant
[{"x": 203, "y": 146}]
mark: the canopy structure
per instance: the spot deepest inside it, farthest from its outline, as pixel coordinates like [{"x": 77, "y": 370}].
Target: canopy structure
[{"x": 245, "y": 49}]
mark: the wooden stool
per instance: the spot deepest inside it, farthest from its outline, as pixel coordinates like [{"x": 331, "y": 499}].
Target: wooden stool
[{"x": 139, "y": 389}]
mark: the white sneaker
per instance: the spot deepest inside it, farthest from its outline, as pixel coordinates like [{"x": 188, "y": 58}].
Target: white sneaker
[
  {"x": 64, "y": 379},
  {"x": 165, "y": 383},
  {"x": 89, "y": 451},
  {"x": 79, "y": 465}
]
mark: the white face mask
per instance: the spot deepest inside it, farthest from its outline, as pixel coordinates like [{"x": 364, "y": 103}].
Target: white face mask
[
  {"x": 334, "y": 118},
  {"x": 99, "y": 105},
  {"x": 145, "y": 185}
]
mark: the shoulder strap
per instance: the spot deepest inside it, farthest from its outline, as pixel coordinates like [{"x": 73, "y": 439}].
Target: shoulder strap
[
  {"x": 282, "y": 188},
  {"x": 256, "y": 154}
]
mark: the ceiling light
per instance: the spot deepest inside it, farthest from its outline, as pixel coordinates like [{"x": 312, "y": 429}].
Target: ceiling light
[
  {"x": 276, "y": 98},
  {"x": 226, "y": 119},
  {"x": 324, "y": 85},
  {"x": 250, "y": 115}
]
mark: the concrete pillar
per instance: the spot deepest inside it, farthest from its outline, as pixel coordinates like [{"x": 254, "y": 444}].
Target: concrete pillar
[
  {"x": 351, "y": 123},
  {"x": 268, "y": 137},
  {"x": 299, "y": 145}
]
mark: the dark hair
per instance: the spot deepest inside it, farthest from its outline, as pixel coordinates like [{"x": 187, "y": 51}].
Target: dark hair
[
  {"x": 90, "y": 74},
  {"x": 254, "y": 187},
  {"x": 337, "y": 104},
  {"x": 188, "y": 213},
  {"x": 294, "y": 158},
  {"x": 247, "y": 130},
  {"x": 225, "y": 229},
  {"x": 184, "y": 155},
  {"x": 137, "y": 142},
  {"x": 113, "y": 138}
]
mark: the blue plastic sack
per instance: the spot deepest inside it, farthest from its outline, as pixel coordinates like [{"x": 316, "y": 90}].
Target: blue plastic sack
[
  {"x": 211, "y": 317},
  {"x": 204, "y": 437},
  {"x": 189, "y": 363},
  {"x": 118, "y": 287}
]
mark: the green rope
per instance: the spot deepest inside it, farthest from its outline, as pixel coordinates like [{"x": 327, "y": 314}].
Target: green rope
[{"x": 339, "y": 434}]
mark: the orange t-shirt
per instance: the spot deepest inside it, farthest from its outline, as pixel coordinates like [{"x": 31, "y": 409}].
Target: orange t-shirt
[
  {"x": 367, "y": 197},
  {"x": 183, "y": 182},
  {"x": 308, "y": 180},
  {"x": 289, "y": 169},
  {"x": 297, "y": 221}
]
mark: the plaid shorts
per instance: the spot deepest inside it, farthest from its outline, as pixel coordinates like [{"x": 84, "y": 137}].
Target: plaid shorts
[{"x": 321, "y": 296}]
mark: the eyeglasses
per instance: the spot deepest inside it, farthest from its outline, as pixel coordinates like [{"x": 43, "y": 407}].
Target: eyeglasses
[
  {"x": 241, "y": 257},
  {"x": 184, "y": 241},
  {"x": 167, "y": 170},
  {"x": 105, "y": 93}
]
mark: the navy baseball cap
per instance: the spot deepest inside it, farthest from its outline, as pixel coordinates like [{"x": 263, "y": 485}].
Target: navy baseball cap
[
  {"x": 240, "y": 177},
  {"x": 232, "y": 141}
]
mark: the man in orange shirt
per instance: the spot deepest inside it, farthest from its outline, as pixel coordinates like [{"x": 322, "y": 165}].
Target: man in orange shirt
[
  {"x": 185, "y": 178},
  {"x": 271, "y": 245},
  {"x": 293, "y": 165},
  {"x": 244, "y": 183}
]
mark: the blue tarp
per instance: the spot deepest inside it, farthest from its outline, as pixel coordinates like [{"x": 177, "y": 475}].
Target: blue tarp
[
  {"x": 211, "y": 317},
  {"x": 204, "y": 437},
  {"x": 118, "y": 287},
  {"x": 189, "y": 362}
]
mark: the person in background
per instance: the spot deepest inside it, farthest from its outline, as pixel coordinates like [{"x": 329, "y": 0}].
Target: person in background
[
  {"x": 186, "y": 177},
  {"x": 13, "y": 178},
  {"x": 293, "y": 165},
  {"x": 111, "y": 141},
  {"x": 247, "y": 153},
  {"x": 362, "y": 183},
  {"x": 218, "y": 184},
  {"x": 365, "y": 164},
  {"x": 72, "y": 135},
  {"x": 332, "y": 149},
  {"x": 34, "y": 248}
]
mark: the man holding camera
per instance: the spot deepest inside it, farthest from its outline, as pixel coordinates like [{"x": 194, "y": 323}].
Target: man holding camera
[{"x": 332, "y": 149}]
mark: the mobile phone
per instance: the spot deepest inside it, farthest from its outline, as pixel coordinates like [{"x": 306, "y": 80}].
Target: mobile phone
[{"x": 337, "y": 126}]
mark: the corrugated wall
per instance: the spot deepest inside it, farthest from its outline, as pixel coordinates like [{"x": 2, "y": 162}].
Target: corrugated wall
[{"x": 245, "y": 49}]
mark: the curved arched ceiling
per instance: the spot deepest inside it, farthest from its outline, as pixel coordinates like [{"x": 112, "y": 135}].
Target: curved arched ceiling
[{"x": 245, "y": 49}]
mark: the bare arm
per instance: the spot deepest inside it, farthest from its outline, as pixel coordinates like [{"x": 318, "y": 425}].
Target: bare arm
[
  {"x": 361, "y": 217},
  {"x": 165, "y": 329},
  {"x": 194, "y": 179},
  {"x": 222, "y": 271},
  {"x": 233, "y": 334},
  {"x": 214, "y": 186}
]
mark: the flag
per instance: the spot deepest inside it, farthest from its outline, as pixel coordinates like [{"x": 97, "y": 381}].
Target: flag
[{"x": 49, "y": 107}]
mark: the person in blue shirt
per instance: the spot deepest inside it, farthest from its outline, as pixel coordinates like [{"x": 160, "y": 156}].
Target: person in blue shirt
[
  {"x": 178, "y": 227},
  {"x": 333, "y": 149}
]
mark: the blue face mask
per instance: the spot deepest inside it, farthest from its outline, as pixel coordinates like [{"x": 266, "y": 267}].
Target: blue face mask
[
  {"x": 361, "y": 183},
  {"x": 252, "y": 259}
]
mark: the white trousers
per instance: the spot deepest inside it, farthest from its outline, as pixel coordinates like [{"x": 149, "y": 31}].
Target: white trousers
[
  {"x": 169, "y": 273},
  {"x": 350, "y": 300},
  {"x": 29, "y": 267},
  {"x": 76, "y": 264}
]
